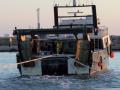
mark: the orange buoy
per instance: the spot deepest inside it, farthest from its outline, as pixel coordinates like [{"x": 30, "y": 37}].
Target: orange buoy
[
  {"x": 111, "y": 55},
  {"x": 100, "y": 63}
]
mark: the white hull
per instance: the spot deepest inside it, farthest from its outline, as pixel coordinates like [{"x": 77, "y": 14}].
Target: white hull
[{"x": 72, "y": 69}]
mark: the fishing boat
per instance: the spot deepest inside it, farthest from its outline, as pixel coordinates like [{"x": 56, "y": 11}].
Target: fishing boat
[{"x": 76, "y": 45}]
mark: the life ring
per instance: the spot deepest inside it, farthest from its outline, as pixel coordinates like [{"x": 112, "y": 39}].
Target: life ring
[{"x": 100, "y": 63}]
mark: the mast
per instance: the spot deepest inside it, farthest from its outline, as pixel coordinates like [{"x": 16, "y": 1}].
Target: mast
[{"x": 38, "y": 18}]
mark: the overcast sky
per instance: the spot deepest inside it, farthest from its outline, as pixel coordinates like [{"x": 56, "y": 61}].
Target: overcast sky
[{"x": 22, "y": 14}]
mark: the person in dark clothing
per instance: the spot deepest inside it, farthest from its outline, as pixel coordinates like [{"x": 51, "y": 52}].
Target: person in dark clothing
[
  {"x": 91, "y": 48},
  {"x": 34, "y": 45},
  {"x": 54, "y": 48},
  {"x": 19, "y": 61}
]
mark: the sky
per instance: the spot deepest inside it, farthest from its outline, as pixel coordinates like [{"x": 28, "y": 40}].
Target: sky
[{"x": 23, "y": 14}]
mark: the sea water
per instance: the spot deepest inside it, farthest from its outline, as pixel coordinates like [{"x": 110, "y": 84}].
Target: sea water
[{"x": 10, "y": 78}]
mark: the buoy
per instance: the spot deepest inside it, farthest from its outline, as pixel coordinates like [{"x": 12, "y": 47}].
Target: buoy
[
  {"x": 111, "y": 55},
  {"x": 100, "y": 64}
]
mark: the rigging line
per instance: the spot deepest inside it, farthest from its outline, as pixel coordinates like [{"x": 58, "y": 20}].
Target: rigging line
[
  {"x": 27, "y": 61},
  {"x": 85, "y": 65},
  {"x": 32, "y": 60},
  {"x": 88, "y": 67}
]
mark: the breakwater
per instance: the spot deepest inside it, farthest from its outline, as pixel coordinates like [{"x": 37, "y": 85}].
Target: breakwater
[{"x": 8, "y": 44}]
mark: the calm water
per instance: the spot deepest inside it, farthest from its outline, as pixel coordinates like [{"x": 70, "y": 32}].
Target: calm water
[{"x": 10, "y": 80}]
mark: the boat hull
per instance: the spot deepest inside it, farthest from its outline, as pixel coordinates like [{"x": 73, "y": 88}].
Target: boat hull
[{"x": 61, "y": 65}]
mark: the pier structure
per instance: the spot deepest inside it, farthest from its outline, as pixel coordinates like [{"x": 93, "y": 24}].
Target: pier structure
[
  {"x": 8, "y": 44},
  {"x": 115, "y": 42}
]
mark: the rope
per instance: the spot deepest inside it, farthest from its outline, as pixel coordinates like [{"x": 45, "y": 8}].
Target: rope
[
  {"x": 85, "y": 65},
  {"x": 15, "y": 64},
  {"x": 33, "y": 60}
]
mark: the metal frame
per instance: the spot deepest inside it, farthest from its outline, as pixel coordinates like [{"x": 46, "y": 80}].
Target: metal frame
[
  {"x": 52, "y": 31},
  {"x": 57, "y": 17}
]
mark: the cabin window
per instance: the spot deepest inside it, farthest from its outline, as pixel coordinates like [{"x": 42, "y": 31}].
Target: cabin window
[
  {"x": 69, "y": 47},
  {"x": 58, "y": 47},
  {"x": 100, "y": 44},
  {"x": 46, "y": 46},
  {"x": 97, "y": 43}
]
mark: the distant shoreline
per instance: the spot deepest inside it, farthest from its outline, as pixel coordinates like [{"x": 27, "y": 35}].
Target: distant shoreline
[{"x": 8, "y": 51}]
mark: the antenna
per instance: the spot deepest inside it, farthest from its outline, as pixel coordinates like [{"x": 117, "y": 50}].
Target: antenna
[{"x": 38, "y": 18}]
